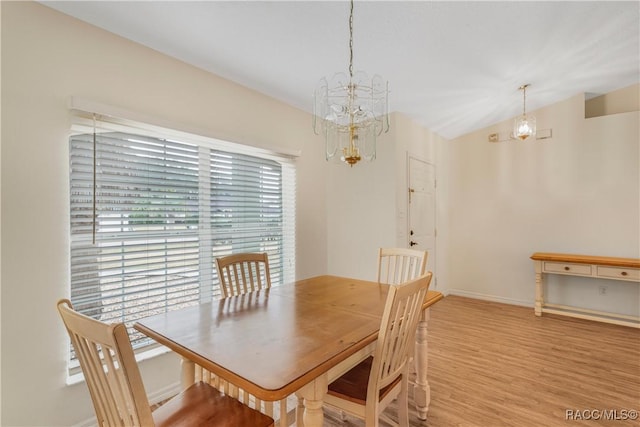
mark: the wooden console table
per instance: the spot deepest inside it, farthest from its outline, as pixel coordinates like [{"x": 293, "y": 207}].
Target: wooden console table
[{"x": 627, "y": 269}]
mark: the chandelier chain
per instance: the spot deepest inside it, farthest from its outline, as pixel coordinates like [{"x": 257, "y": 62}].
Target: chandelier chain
[
  {"x": 524, "y": 98},
  {"x": 351, "y": 41}
]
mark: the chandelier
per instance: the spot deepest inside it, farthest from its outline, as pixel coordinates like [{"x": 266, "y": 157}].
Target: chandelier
[
  {"x": 350, "y": 111},
  {"x": 524, "y": 126}
]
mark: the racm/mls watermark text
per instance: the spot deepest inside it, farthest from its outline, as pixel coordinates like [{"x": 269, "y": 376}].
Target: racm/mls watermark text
[{"x": 601, "y": 414}]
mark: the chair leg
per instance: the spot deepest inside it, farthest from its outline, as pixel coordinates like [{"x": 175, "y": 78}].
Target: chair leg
[
  {"x": 372, "y": 415},
  {"x": 403, "y": 403}
]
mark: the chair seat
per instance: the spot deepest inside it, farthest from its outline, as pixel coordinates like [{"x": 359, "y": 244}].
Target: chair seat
[
  {"x": 203, "y": 405},
  {"x": 352, "y": 386}
]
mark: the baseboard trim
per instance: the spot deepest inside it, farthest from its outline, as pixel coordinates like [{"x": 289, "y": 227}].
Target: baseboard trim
[
  {"x": 155, "y": 397},
  {"x": 485, "y": 297}
]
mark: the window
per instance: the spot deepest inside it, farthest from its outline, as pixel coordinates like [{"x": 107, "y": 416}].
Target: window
[{"x": 164, "y": 209}]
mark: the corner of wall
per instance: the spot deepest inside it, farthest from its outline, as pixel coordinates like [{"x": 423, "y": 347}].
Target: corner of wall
[{"x": 623, "y": 100}]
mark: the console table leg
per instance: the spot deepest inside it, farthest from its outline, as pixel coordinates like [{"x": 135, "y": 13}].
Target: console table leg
[{"x": 539, "y": 290}]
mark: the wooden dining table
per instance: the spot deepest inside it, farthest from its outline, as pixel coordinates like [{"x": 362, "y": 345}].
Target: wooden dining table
[{"x": 294, "y": 338}]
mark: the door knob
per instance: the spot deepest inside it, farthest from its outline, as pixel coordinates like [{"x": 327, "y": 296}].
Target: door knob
[{"x": 412, "y": 243}]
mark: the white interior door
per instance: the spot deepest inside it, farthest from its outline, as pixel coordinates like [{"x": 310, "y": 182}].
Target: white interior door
[{"x": 422, "y": 209}]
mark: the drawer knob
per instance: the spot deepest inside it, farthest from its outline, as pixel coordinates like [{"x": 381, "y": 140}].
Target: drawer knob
[
  {"x": 567, "y": 269},
  {"x": 624, "y": 273}
]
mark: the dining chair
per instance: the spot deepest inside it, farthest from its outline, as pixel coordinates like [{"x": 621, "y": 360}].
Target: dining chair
[
  {"x": 368, "y": 388},
  {"x": 398, "y": 265},
  {"x": 239, "y": 274},
  {"x": 117, "y": 391},
  {"x": 242, "y": 273}
]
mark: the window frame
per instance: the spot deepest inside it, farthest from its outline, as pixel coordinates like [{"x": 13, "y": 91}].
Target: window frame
[{"x": 83, "y": 123}]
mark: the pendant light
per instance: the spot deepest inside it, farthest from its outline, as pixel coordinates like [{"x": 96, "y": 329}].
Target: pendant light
[
  {"x": 350, "y": 111},
  {"x": 524, "y": 126}
]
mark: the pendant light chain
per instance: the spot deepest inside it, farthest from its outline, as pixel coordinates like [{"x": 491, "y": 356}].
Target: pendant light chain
[
  {"x": 524, "y": 98},
  {"x": 351, "y": 41}
]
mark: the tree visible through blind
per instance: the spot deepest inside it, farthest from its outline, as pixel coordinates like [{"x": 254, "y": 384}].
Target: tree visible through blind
[{"x": 164, "y": 209}]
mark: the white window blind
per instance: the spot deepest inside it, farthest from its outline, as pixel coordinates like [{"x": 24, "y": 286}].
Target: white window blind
[{"x": 164, "y": 209}]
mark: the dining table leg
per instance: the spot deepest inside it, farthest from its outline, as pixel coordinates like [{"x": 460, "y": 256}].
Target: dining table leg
[
  {"x": 188, "y": 374},
  {"x": 313, "y": 395},
  {"x": 422, "y": 391},
  {"x": 299, "y": 411}
]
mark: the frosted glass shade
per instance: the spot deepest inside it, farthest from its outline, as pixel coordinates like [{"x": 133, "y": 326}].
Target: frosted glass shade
[
  {"x": 524, "y": 127},
  {"x": 350, "y": 113}
]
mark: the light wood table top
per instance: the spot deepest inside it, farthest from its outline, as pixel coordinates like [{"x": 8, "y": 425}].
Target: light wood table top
[
  {"x": 272, "y": 342},
  {"x": 587, "y": 259}
]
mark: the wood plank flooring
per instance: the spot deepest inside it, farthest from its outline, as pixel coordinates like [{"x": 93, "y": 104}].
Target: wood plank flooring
[{"x": 494, "y": 365}]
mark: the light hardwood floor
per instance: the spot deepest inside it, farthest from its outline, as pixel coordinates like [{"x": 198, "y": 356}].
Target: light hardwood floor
[{"x": 493, "y": 365}]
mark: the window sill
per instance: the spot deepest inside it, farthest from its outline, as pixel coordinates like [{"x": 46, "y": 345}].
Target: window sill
[{"x": 78, "y": 377}]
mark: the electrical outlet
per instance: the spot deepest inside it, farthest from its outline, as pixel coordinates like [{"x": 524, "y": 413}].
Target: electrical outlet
[{"x": 602, "y": 290}]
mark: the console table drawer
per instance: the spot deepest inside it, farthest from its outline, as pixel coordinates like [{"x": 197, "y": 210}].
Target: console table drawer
[
  {"x": 567, "y": 268},
  {"x": 619, "y": 273}
]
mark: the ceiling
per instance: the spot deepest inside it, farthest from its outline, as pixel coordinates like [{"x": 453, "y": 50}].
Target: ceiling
[{"x": 453, "y": 66}]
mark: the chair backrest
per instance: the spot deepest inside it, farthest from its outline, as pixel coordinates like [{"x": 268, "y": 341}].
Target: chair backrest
[
  {"x": 242, "y": 273},
  {"x": 399, "y": 265},
  {"x": 109, "y": 368},
  {"x": 397, "y": 333}
]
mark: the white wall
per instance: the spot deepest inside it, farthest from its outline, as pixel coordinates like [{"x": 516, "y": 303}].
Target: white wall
[
  {"x": 578, "y": 192},
  {"x": 48, "y": 57},
  {"x": 411, "y": 139},
  {"x": 367, "y": 204},
  {"x": 361, "y": 212}
]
